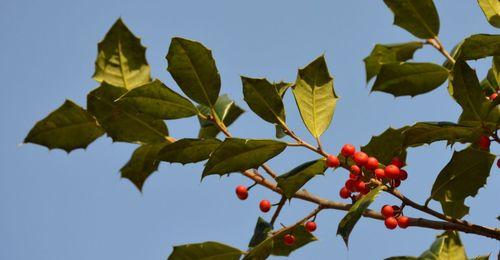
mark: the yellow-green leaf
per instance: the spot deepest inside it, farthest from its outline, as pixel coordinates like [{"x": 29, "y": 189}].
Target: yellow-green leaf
[
  {"x": 263, "y": 98},
  {"x": 446, "y": 246},
  {"x": 419, "y": 17},
  {"x": 293, "y": 180},
  {"x": 205, "y": 251},
  {"x": 491, "y": 9},
  {"x": 188, "y": 150}
]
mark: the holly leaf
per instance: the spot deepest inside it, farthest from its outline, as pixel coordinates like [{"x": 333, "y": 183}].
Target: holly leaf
[
  {"x": 121, "y": 59},
  {"x": 390, "y": 53},
  {"x": 193, "y": 68},
  {"x": 142, "y": 164},
  {"x": 263, "y": 98},
  {"x": 462, "y": 177},
  {"x": 293, "y": 180},
  {"x": 491, "y": 9},
  {"x": 188, "y": 150},
  {"x": 159, "y": 101},
  {"x": 347, "y": 223},
  {"x": 227, "y": 111},
  {"x": 68, "y": 128},
  {"x": 409, "y": 79},
  {"x": 446, "y": 246},
  {"x": 420, "y": 18},
  {"x": 206, "y": 250},
  {"x": 281, "y": 87},
  {"x": 315, "y": 96},
  {"x": 429, "y": 132},
  {"x": 387, "y": 145},
  {"x": 478, "y": 46},
  {"x": 236, "y": 154},
  {"x": 122, "y": 121},
  {"x": 260, "y": 232}
]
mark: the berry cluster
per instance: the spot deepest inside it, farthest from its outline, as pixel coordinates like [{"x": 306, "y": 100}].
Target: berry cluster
[{"x": 393, "y": 217}]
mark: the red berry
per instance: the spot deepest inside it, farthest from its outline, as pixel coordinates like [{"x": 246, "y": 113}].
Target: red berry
[
  {"x": 345, "y": 193},
  {"x": 332, "y": 161},
  {"x": 493, "y": 96},
  {"x": 397, "y": 183},
  {"x": 350, "y": 185},
  {"x": 403, "y": 222},
  {"x": 355, "y": 169},
  {"x": 484, "y": 142},
  {"x": 265, "y": 206},
  {"x": 397, "y": 161},
  {"x": 360, "y": 186},
  {"x": 310, "y": 226},
  {"x": 403, "y": 175},
  {"x": 348, "y": 150},
  {"x": 353, "y": 176},
  {"x": 242, "y": 192},
  {"x": 371, "y": 163},
  {"x": 366, "y": 190},
  {"x": 380, "y": 173},
  {"x": 387, "y": 211},
  {"x": 360, "y": 158},
  {"x": 289, "y": 239},
  {"x": 391, "y": 171},
  {"x": 391, "y": 222}
]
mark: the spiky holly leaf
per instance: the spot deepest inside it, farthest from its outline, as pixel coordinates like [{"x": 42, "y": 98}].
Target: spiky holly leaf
[
  {"x": 227, "y": 111},
  {"x": 420, "y": 18},
  {"x": 142, "y": 164},
  {"x": 387, "y": 145},
  {"x": 68, "y": 128},
  {"x": 478, "y": 46},
  {"x": 389, "y": 53},
  {"x": 121, "y": 59},
  {"x": 260, "y": 232},
  {"x": 491, "y": 9},
  {"x": 188, "y": 150},
  {"x": 293, "y": 180},
  {"x": 193, "y": 68},
  {"x": 122, "y": 121},
  {"x": 206, "y": 250},
  {"x": 159, "y": 101},
  {"x": 429, "y": 132},
  {"x": 263, "y": 98},
  {"x": 347, "y": 223},
  {"x": 236, "y": 154},
  {"x": 409, "y": 79},
  {"x": 315, "y": 96}
]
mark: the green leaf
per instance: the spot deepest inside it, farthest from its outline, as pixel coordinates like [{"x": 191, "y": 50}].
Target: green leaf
[
  {"x": 68, "y": 128},
  {"x": 159, "y": 101},
  {"x": 143, "y": 163},
  {"x": 293, "y": 180},
  {"x": 121, "y": 59},
  {"x": 193, "y": 68},
  {"x": 491, "y": 9},
  {"x": 263, "y": 98},
  {"x": 390, "y": 53},
  {"x": 463, "y": 176},
  {"x": 188, "y": 150},
  {"x": 227, "y": 111},
  {"x": 446, "y": 246},
  {"x": 205, "y": 251},
  {"x": 281, "y": 87},
  {"x": 123, "y": 122},
  {"x": 260, "y": 232},
  {"x": 478, "y": 46},
  {"x": 483, "y": 257},
  {"x": 429, "y": 132},
  {"x": 236, "y": 154},
  {"x": 355, "y": 212},
  {"x": 315, "y": 96},
  {"x": 419, "y": 17},
  {"x": 402, "y": 258},
  {"x": 387, "y": 145},
  {"x": 409, "y": 79}
]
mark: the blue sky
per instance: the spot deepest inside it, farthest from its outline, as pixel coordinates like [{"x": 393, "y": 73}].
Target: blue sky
[{"x": 59, "y": 206}]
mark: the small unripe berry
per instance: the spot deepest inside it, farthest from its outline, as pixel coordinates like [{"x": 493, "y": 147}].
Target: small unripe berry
[
  {"x": 344, "y": 193},
  {"x": 493, "y": 96},
  {"x": 350, "y": 185},
  {"x": 391, "y": 171},
  {"x": 348, "y": 150},
  {"x": 387, "y": 211},
  {"x": 484, "y": 142},
  {"x": 265, "y": 205},
  {"x": 242, "y": 192},
  {"x": 360, "y": 158},
  {"x": 403, "y": 222},
  {"x": 391, "y": 222},
  {"x": 371, "y": 163},
  {"x": 380, "y": 173},
  {"x": 398, "y": 162},
  {"x": 403, "y": 175},
  {"x": 332, "y": 161},
  {"x": 355, "y": 169},
  {"x": 289, "y": 239},
  {"x": 310, "y": 226}
]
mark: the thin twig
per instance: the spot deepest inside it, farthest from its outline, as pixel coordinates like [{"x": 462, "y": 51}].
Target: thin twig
[{"x": 278, "y": 210}]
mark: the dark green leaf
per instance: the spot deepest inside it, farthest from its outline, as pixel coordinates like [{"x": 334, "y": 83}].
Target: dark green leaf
[
  {"x": 315, "y": 96},
  {"x": 491, "y": 9},
  {"x": 263, "y": 98},
  {"x": 236, "y": 154},
  {"x": 69, "y": 127},
  {"x": 419, "y": 17},
  {"x": 208, "y": 251},
  {"x": 193, "y": 68},
  {"x": 121, "y": 59},
  {"x": 260, "y": 232},
  {"x": 409, "y": 79},
  {"x": 123, "y": 122},
  {"x": 390, "y": 53},
  {"x": 188, "y": 150},
  {"x": 446, "y": 246},
  {"x": 429, "y": 132},
  {"x": 355, "y": 212},
  {"x": 387, "y": 145},
  {"x": 282, "y": 87},
  {"x": 227, "y": 111},
  {"x": 478, "y": 46},
  {"x": 159, "y": 101},
  {"x": 293, "y": 180},
  {"x": 142, "y": 163}
]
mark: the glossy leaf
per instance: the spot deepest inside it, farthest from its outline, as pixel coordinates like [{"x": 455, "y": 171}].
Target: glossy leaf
[
  {"x": 263, "y": 98},
  {"x": 142, "y": 164},
  {"x": 68, "y": 128},
  {"x": 419, "y": 17},
  {"x": 347, "y": 223},
  {"x": 159, "y": 101},
  {"x": 208, "y": 250},
  {"x": 409, "y": 79},
  {"x": 478, "y": 46},
  {"x": 236, "y": 154},
  {"x": 121, "y": 59},
  {"x": 193, "y": 68},
  {"x": 315, "y": 96},
  {"x": 491, "y": 9},
  {"x": 123, "y": 122},
  {"x": 429, "y": 132},
  {"x": 227, "y": 111},
  {"x": 188, "y": 150},
  {"x": 387, "y": 145},
  {"x": 293, "y": 180},
  {"x": 390, "y": 53}
]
